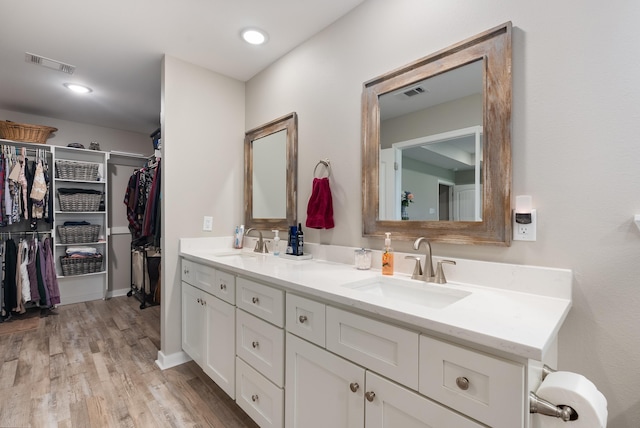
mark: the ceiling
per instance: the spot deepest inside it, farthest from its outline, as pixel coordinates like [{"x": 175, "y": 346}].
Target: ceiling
[{"x": 117, "y": 48}]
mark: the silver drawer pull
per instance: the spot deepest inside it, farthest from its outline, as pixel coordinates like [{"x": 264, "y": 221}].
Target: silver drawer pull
[
  {"x": 463, "y": 383},
  {"x": 354, "y": 386},
  {"x": 370, "y": 395},
  {"x": 255, "y": 300},
  {"x": 302, "y": 319},
  {"x": 223, "y": 286},
  {"x": 254, "y": 397},
  {"x": 255, "y": 344}
]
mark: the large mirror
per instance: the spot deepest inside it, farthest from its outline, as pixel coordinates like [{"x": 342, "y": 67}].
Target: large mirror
[
  {"x": 437, "y": 145},
  {"x": 271, "y": 156}
]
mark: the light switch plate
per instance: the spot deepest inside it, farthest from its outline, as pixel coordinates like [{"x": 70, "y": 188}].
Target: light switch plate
[{"x": 207, "y": 224}]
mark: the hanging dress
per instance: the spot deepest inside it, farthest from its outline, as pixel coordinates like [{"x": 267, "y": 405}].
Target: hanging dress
[
  {"x": 24, "y": 274},
  {"x": 49, "y": 269}
]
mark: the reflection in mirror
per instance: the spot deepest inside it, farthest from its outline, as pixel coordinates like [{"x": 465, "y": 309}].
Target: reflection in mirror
[
  {"x": 431, "y": 146},
  {"x": 270, "y": 175},
  {"x": 449, "y": 145},
  {"x": 271, "y": 159}
]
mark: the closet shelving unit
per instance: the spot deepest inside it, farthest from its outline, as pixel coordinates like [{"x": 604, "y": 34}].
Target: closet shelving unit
[{"x": 88, "y": 286}]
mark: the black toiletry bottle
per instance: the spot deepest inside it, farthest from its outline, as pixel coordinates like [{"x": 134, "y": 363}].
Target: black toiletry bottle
[
  {"x": 292, "y": 245},
  {"x": 300, "y": 239}
]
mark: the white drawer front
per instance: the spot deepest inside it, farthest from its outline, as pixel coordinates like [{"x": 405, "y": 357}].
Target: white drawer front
[
  {"x": 225, "y": 287},
  {"x": 260, "y": 300},
  {"x": 486, "y": 388},
  {"x": 261, "y": 399},
  {"x": 306, "y": 319},
  {"x": 383, "y": 348},
  {"x": 187, "y": 271},
  {"x": 261, "y": 345}
]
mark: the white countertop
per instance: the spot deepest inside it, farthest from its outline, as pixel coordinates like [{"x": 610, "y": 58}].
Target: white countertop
[{"x": 515, "y": 309}]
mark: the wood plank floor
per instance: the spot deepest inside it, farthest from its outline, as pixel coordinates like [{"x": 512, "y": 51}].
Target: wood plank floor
[{"x": 93, "y": 365}]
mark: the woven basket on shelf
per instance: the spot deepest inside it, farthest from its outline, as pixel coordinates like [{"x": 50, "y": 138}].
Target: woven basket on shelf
[
  {"x": 79, "y": 201},
  {"x": 81, "y": 265},
  {"x": 79, "y": 234},
  {"x": 24, "y": 132},
  {"x": 74, "y": 170}
]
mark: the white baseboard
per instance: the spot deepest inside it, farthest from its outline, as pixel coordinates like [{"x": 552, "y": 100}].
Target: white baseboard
[{"x": 172, "y": 360}]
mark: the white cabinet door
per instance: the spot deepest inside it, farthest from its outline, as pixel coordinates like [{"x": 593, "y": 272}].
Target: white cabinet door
[
  {"x": 219, "y": 339},
  {"x": 389, "y": 405},
  {"x": 192, "y": 322},
  {"x": 322, "y": 390}
]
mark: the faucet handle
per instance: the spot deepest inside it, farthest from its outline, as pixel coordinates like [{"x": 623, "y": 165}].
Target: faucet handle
[
  {"x": 439, "y": 278},
  {"x": 417, "y": 270}
]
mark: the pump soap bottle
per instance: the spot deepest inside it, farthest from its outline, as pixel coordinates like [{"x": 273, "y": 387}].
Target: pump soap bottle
[{"x": 387, "y": 256}]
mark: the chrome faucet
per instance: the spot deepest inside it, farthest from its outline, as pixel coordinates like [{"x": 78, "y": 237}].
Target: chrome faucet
[
  {"x": 261, "y": 245},
  {"x": 428, "y": 263}
]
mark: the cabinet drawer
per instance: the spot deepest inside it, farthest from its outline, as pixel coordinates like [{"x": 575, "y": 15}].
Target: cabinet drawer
[
  {"x": 225, "y": 287},
  {"x": 306, "y": 319},
  {"x": 381, "y": 347},
  {"x": 260, "y": 300},
  {"x": 261, "y": 345},
  {"x": 261, "y": 399},
  {"x": 486, "y": 388},
  {"x": 201, "y": 276}
]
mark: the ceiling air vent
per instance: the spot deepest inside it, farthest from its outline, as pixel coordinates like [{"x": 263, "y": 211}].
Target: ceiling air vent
[
  {"x": 49, "y": 63},
  {"x": 415, "y": 91}
]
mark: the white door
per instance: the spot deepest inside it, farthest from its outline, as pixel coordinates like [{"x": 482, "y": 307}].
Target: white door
[
  {"x": 389, "y": 405},
  {"x": 322, "y": 390},
  {"x": 389, "y": 185},
  {"x": 467, "y": 206},
  {"x": 219, "y": 356},
  {"x": 192, "y": 322}
]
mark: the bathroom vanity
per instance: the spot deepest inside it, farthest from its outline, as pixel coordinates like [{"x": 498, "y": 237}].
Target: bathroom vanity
[{"x": 318, "y": 343}]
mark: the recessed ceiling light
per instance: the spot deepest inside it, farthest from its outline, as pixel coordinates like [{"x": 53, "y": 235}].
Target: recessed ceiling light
[
  {"x": 254, "y": 36},
  {"x": 78, "y": 88}
]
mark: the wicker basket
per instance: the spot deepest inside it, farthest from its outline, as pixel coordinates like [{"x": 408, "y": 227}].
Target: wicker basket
[
  {"x": 24, "y": 132},
  {"x": 79, "y": 201},
  {"x": 81, "y": 265},
  {"x": 79, "y": 234},
  {"x": 73, "y": 170}
]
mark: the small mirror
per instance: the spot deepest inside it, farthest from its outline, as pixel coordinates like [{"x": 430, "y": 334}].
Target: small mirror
[
  {"x": 271, "y": 174},
  {"x": 436, "y": 145}
]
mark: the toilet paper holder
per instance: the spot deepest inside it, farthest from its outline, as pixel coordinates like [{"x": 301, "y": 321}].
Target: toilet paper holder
[{"x": 543, "y": 407}]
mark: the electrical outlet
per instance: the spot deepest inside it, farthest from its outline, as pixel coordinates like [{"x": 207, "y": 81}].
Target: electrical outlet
[
  {"x": 207, "y": 224},
  {"x": 525, "y": 232}
]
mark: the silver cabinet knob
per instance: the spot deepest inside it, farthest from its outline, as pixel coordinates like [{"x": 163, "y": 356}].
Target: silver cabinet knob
[
  {"x": 463, "y": 383},
  {"x": 302, "y": 318},
  {"x": 255, "y": 300},
  {"x": 223, "y": 286},
  {"x": 254, "y": 397},
  {"x": 255, "y": 344},
  {"x": 354, "y": 386},
  {"x": 369, "y": 395}
]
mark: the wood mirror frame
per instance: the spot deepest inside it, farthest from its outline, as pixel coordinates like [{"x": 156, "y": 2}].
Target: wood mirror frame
[
  {"x": 494, "y": 47},
  {"x": 290, "y": 124}
]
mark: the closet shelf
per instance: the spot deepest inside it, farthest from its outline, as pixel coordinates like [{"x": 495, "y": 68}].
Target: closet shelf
[
  {"x": 82, "y": 274},
  {"x": 68, "y": 180}
]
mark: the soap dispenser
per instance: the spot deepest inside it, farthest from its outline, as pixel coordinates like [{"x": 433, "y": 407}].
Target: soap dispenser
[
  {"x": 387, "y": 256},
  {"x": 276, "y": 243}
]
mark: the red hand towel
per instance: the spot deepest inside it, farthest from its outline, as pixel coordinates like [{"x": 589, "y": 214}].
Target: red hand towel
[{"x": 320, "y": 207}]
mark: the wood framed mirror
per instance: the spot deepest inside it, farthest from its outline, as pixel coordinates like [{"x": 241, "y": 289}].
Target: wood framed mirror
[
  {"x": 455, "y": 106},
  {"x": 271, "y": 174}
]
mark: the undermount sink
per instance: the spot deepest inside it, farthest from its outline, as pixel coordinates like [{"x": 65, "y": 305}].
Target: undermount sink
[
  {"x": 406, "y": 291},
  {"x": 233, "y": 253}
]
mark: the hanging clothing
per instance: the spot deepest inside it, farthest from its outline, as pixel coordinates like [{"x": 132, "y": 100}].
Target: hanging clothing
[
  {"x": 24, "y": 275},
  {"x": 141, "y": 198},
  {"x": 9, "y": 282}
]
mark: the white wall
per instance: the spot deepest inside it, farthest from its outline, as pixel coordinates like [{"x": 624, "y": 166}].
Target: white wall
[
  {"x": 203, "y": 167},
  {"x": 575, "y": 114}
]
